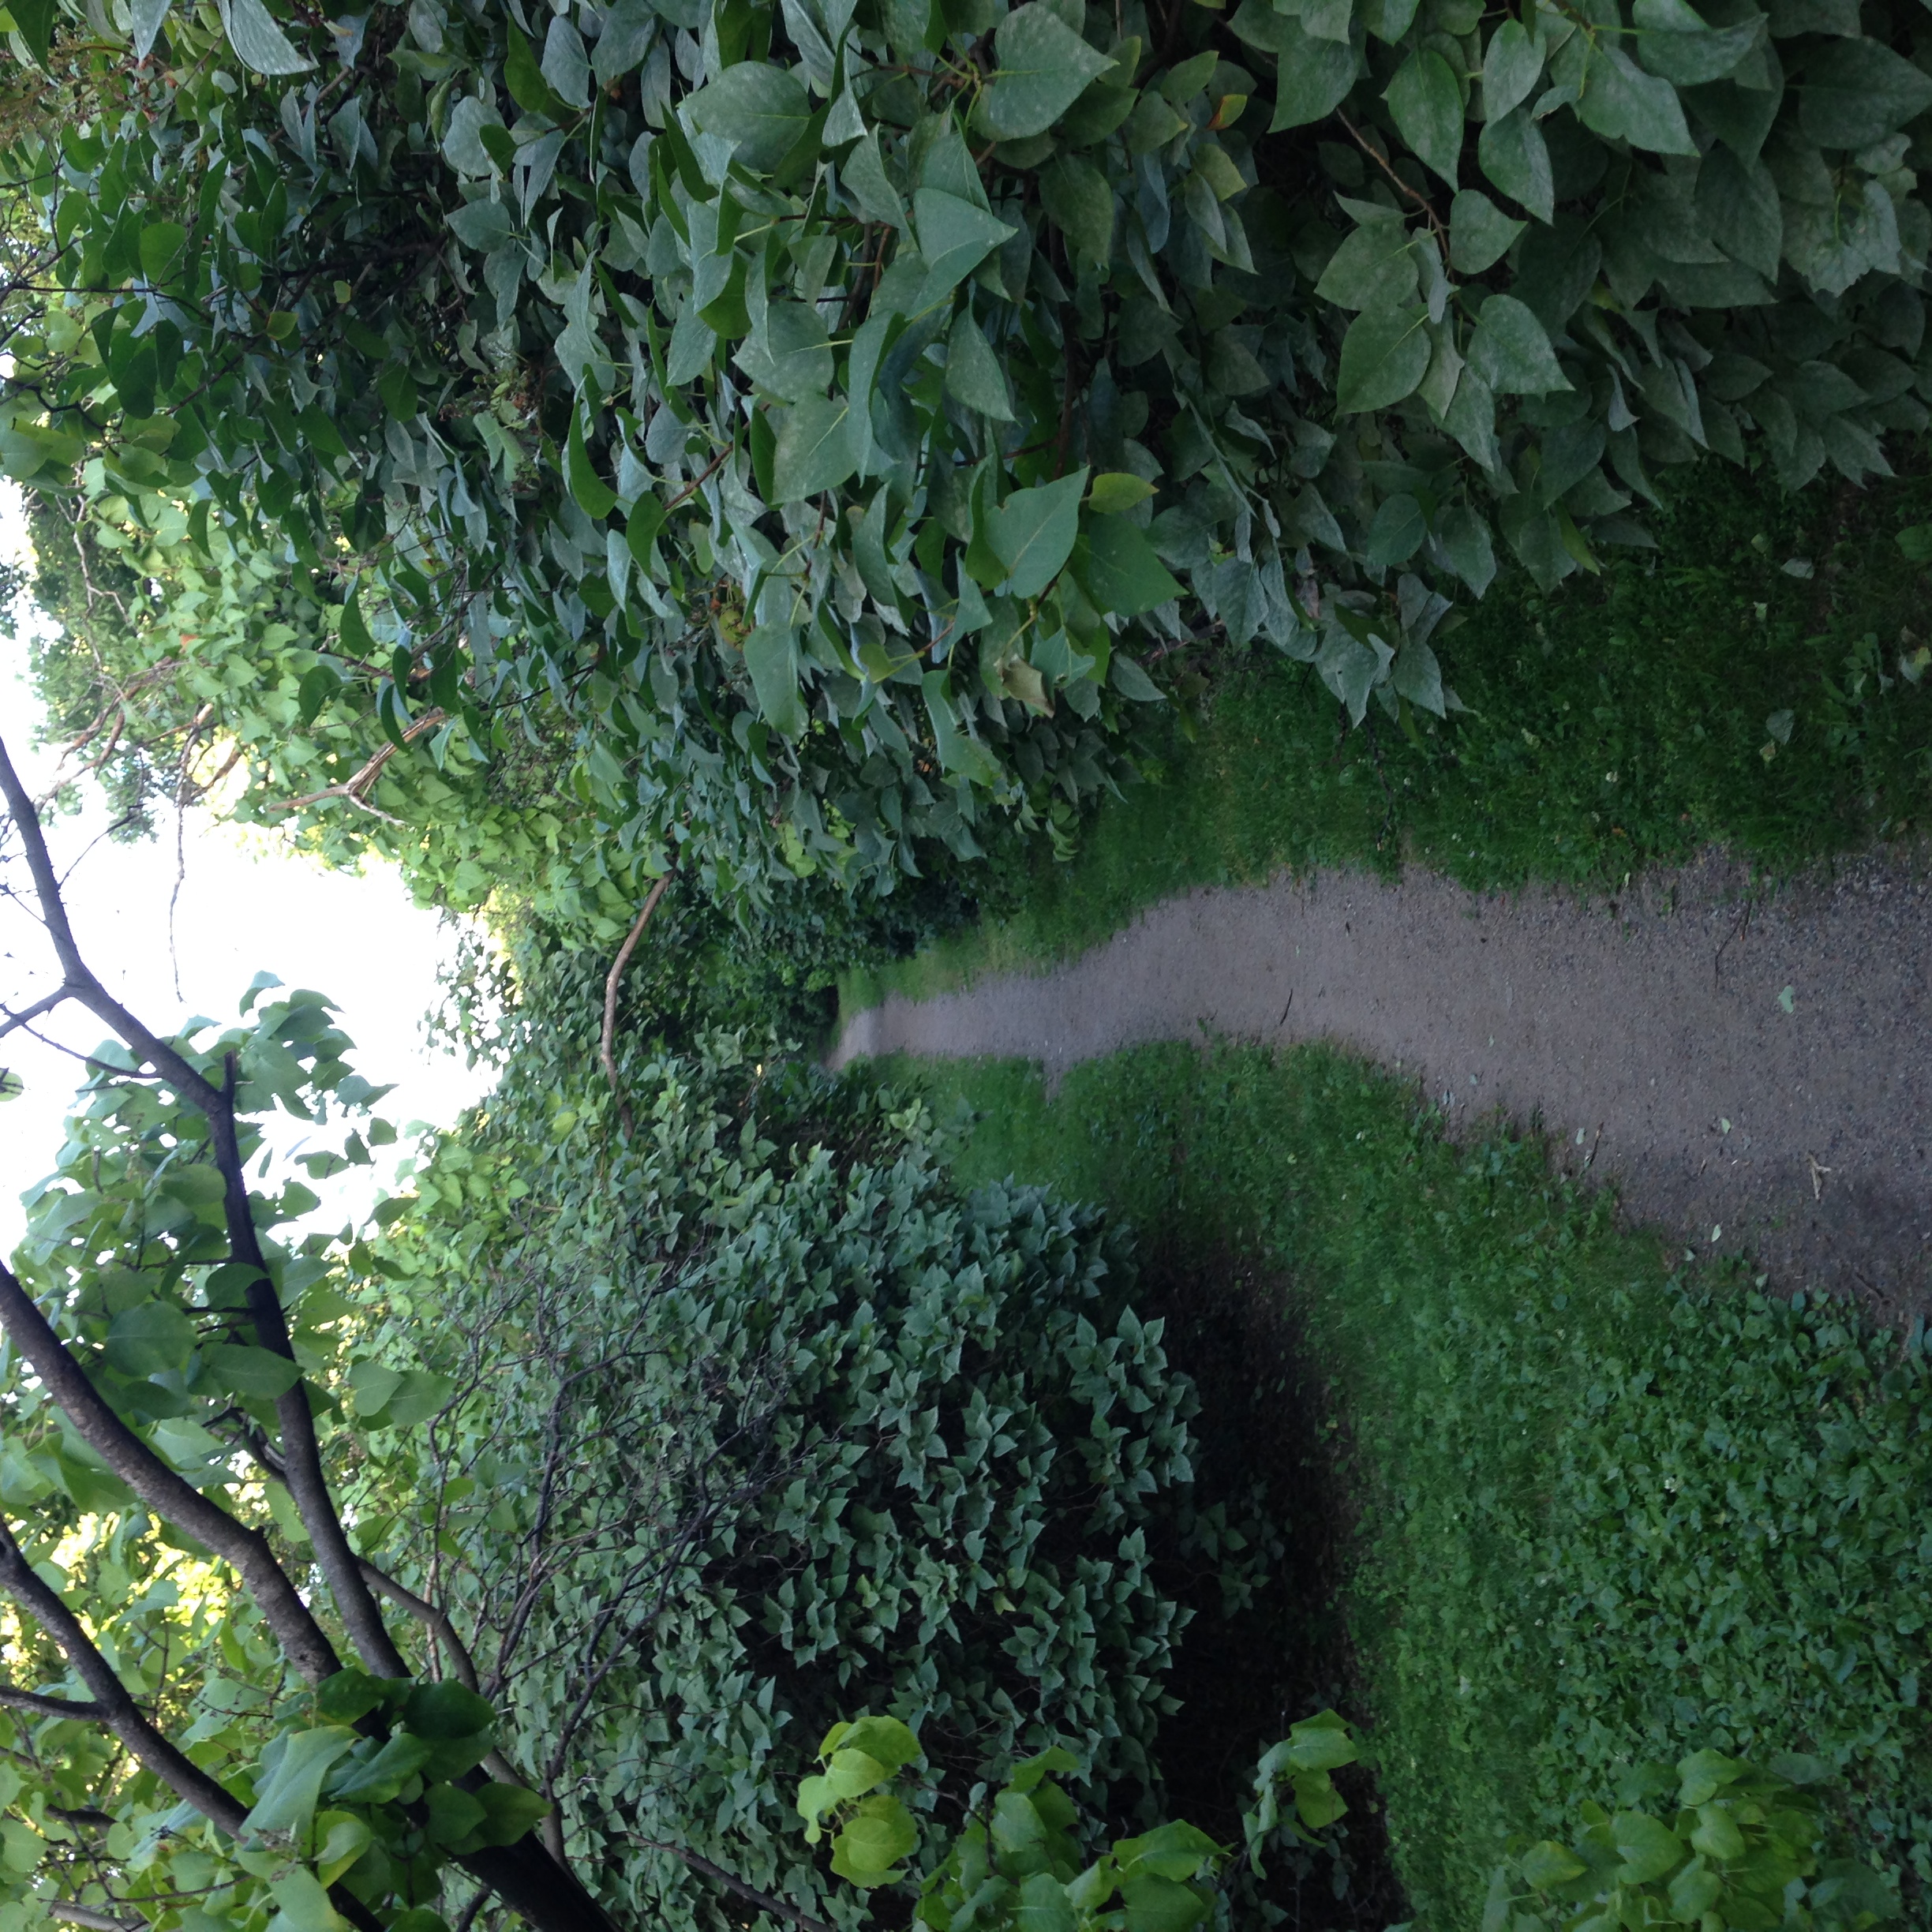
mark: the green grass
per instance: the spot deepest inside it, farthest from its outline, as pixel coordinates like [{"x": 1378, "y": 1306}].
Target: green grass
[
  {"x": 1609, "y": 1510},
  {"x": 1621, "y": 723}
]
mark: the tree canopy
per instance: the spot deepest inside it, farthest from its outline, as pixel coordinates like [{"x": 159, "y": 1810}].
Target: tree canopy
[{"x": 812, "y": 421}]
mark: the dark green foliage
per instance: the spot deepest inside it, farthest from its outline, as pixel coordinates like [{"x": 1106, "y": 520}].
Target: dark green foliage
[
  {"x": 756, "y": 1413},
  {"x": 768, "y": 404},
  {"x": 1609, "y": 1511}
]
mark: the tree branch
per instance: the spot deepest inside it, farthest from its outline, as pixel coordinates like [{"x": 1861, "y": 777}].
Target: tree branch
[
  {"x": 301, "y": 1452},
  {"x": 168, "y": 1494},
  {"x": 777, "y": 1906},
  {"x": 113, "y": 1704},
  {"x": 615, "y": 979}
]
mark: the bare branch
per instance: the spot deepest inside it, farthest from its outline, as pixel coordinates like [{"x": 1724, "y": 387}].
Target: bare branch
[
  {"x": 70, "y": 1914},
  {"x": 28, "y": 1014},
  {"x": 12, "y": 1699},
  {"x": 615, "y": 978},
  {"x": 777, "y": 1906}
]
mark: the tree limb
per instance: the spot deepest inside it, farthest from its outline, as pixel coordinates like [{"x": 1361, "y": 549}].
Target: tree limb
[
  {"x": 300, "y": 1451},
  {"x": 13, "y": 1698},
  {"x": 167, "y": 1494},
  {"x": 777, "y": 1906},
  {"x": 114, "y": 1706},
  {"x": 605, "y": 1043},
  {"x": 70, "y": 1914}
]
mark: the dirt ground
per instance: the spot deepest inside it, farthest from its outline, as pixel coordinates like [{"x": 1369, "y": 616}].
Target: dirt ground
[{"x": 1753, "y": 1071}]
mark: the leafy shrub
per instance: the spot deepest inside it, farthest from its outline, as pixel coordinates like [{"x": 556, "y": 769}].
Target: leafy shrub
[
  {"x": 740, "y": 1425},
  {"x": 1740, "y": 1849},
  {"x": 1022, "y": 1858},
  {"x": 824, "y": 406}
]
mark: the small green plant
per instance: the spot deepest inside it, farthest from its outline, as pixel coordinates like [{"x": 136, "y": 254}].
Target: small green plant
[
  {"x": 1739, "y": 1853},
  {"x": 1019, "y": 1861}
]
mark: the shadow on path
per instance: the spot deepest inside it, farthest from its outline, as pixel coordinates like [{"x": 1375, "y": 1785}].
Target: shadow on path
[{"x": 1754, "y": 1072}]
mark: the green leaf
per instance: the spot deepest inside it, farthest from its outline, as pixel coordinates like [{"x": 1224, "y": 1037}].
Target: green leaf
[
  {"x": 1157, "y": 1904},
  {"x": 960, "y": 753},
  {"x": 814, "y": 449},
  {"x": 286, "y": 1800},
  {"x": 344, "y": 1838},
  {"x": 1383, "y": 357},
  {"x": 1465, "y": 541},
  {"x": 482, "y": 225},
  {"x": 378, "y": 1778},
  {"x": 1512, "y": 152},
  {"x": 1480, "y": 233},
  {"x": 36, "y": 19},
  {"x": 1739, "y": 201},
  {"x": 304, "y": 1905},
  {"x": 878, "y": 1834},
  {"x": 1397, "y": 532},
  {"x": 771, "y": 656},
  {"x": 1116, "y": 490},
  {"x": 348, "y": 1695},
  {"x": 258, "y": 42},
  {"x": 565, "y": 65},
  {"x": 1510, "y": 350},
  {"x": 594, "y": 496},
  {"x": 509, "y": 1811},
  {"x": 1041, "y": 67},
  {"x": 1032, "y": 532},
  {"x": 1375, "y": 268},
  {"x": 973, "y": 377},
  {"x": 1313, "y": 77},
  {"x": 1512, "y": 65},
  {"x": 1549, "y": 1865},
  {"x": 1321, "y": 1743},
  {"x": 150, "y": 1339},
  {"x": 1622, "y": 102},
  {"x": 456, "y": 1816},
  {"x": 149, "y": 16},
  {"x": 237, "y": 1369},
  {"x": 955, "y": 236},
  {"x": 1118, "y": 568},
  {"x": 419, "y": 1395},
  {"x": 523, "y": 76},
  {"x": 1043, "y": 1906},
  {"x": 1674, "y": 41},
  {"x": 628, "y": 30},
  {"x": 1718, "y": 1836},
  {"x": 1131, "y": 680},
  {"x": 161, "y": 246},
  {"x": 1856, "y": 93},
  {"x": 445, "y": 1713},
  {"x": 889, "y": 1741},
  {"x": 1649, "y": 1850},
  {"x": 1428, "y": 107},
  {"x": 1079, "y": 203},
  {"x": 791, "y": 355},
  {"x": 761, "y": 108}
]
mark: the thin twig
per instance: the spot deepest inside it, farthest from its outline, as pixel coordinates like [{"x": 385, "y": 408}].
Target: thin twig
[
  {"x": 780, "y": 1907},
  {"x": 1381, "y": 160}
]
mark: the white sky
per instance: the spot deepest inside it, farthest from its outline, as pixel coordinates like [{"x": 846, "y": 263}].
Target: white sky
[{"x": 246, "y": 905}]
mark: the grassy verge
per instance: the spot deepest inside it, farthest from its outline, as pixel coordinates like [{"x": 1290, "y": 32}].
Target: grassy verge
[
  {"x": 1606, "y": 1511},
  {"x": 1626, "y": 721}
]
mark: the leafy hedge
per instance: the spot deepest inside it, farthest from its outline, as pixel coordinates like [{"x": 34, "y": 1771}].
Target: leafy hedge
[
  {"x": 825, "y": 406},
  {"x": 750, "y": 1418}
]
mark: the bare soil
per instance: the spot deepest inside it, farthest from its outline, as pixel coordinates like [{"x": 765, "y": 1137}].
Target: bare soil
[{"x": 1752, "y": 1069}]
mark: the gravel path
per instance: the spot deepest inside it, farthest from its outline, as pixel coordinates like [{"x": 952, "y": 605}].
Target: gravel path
[{"x": 1752, "y": 1072}]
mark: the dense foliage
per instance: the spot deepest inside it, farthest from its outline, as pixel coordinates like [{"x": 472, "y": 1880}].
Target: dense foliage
[
  {"x": 1608, "y": 1513},
  {"x": 1740, "y": 1847},
  {"x": 814, "y": 411},
  {"x": 755, "y": 1412}
]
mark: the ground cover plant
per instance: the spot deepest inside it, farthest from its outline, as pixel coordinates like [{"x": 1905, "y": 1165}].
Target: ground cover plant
[
  {"x": 1608, "y": 1509},
  {"x": 1755, "y": 684}
]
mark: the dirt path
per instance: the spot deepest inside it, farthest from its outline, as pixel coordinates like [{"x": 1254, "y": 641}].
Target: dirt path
[{"x": 1752, "y": 1074}]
